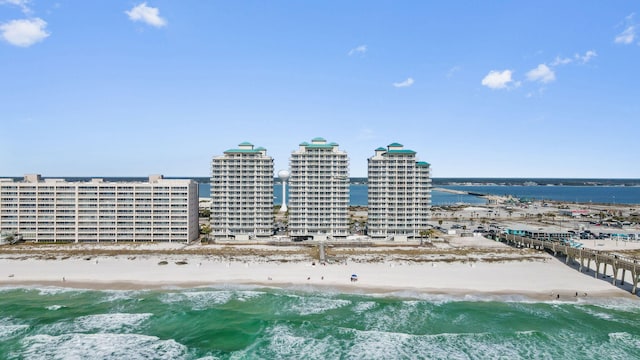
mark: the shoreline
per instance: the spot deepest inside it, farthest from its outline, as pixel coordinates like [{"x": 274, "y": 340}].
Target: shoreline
[
  {"x": 566, "y": 296},
  {"x": 529, "y": 280},
  {"x": 461, "y": 268}
]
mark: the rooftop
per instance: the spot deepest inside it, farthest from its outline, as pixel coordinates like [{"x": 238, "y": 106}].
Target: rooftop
[
  {"x": 246, "y": 148},
  {"x": 401, "y": 152}
]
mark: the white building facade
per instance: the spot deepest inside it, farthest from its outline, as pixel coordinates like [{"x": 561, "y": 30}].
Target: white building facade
[
  {"x": 55, "y": 210},
  {"x": 399, "y": 193},
  {"x": 242, "y": 193},
  {"x": 318, "y": 191}
]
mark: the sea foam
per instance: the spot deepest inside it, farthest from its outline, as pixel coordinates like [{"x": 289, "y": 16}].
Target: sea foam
[
  {"x": 120, "y": 322},
  {"x": 626, "y": 339},
  {"x": 309, "y": 305},
  {"x": 283, "y": 343},
  {"x": 111, "y": 322},
  {"x": 9, "y": 329},
  {"x": 101, "y": 346},
  {"x": 201, "y": 299}
]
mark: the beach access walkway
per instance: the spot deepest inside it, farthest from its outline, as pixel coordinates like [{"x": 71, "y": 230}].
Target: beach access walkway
[{"x": 580, "y": 255}]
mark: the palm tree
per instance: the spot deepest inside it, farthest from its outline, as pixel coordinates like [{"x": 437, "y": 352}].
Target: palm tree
[
  {"x": 206, "y": 230},
  {"x": 426, "y": 233}
]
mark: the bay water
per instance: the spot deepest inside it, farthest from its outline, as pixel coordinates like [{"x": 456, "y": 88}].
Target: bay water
[
  {"x": 581, "y": 194},
  {"x": 358, "y": 195},
  {"x": 257, "y": 323}
]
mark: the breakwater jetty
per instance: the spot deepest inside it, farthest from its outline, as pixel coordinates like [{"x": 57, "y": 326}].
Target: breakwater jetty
[
  {"x": 489, "y": 197},
  {"x": 584, "y": 257},
  {"x": 451, "y": 191}
]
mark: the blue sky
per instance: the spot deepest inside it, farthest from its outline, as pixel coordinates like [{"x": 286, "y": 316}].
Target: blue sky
[{"x": 478, "y": 89}]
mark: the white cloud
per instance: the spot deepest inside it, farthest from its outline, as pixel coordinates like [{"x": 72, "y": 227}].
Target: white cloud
[
  {"x": 23, "y": 4},
  {"x": 498, "y": 79},
  {"x": 25, "y": 32},
  {"x": 362, "y": 49},
  {"x": 366, "y": 134},
  {"x": 537, "y": 93},
  {"x": 561, "y": 61},
  {"x": 15, "y": 2},
  {"x": 542, "y": 74},
  {"x": 586, "y": 57},
  {"x": 405, "y": 83},
  {"x": 453, "y": 71},
  {"x": 627, "y": 36},
  {"x": 146, "y": 14}
]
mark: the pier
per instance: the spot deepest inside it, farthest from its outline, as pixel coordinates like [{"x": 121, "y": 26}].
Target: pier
[{"x": 618, "y": 264}]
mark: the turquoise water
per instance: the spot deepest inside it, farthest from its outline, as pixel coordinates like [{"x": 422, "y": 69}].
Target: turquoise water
[{"x": 256, "y": 323}]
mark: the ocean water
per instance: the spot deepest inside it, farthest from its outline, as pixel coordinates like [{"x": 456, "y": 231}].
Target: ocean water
[{"x": 257, "y": 323}]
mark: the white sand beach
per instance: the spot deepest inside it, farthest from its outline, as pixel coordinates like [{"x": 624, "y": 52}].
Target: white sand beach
[{"x": 542, "y": 277}]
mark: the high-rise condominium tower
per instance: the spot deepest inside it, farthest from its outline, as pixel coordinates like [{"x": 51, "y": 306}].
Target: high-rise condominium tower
[
  {"x": 399, "y": 193},
  {"x": 242, "y": 193},
  {"x": 318, "y": 191}
]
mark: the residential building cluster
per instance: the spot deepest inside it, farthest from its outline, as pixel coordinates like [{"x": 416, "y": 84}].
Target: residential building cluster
[
  {"x": 399, "y": 195},
  {"x": 242, "y": 193}
]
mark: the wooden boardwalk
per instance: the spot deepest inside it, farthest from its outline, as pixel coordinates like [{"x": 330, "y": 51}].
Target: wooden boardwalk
[{"x": 584, "y": 257}]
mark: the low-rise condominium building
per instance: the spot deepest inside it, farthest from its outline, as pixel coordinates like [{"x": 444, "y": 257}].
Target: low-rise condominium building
[{"x": 55, "y": 210}]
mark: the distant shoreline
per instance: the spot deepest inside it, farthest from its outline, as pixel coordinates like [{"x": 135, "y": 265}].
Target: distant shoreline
[{"x": 436, "y": 181}]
